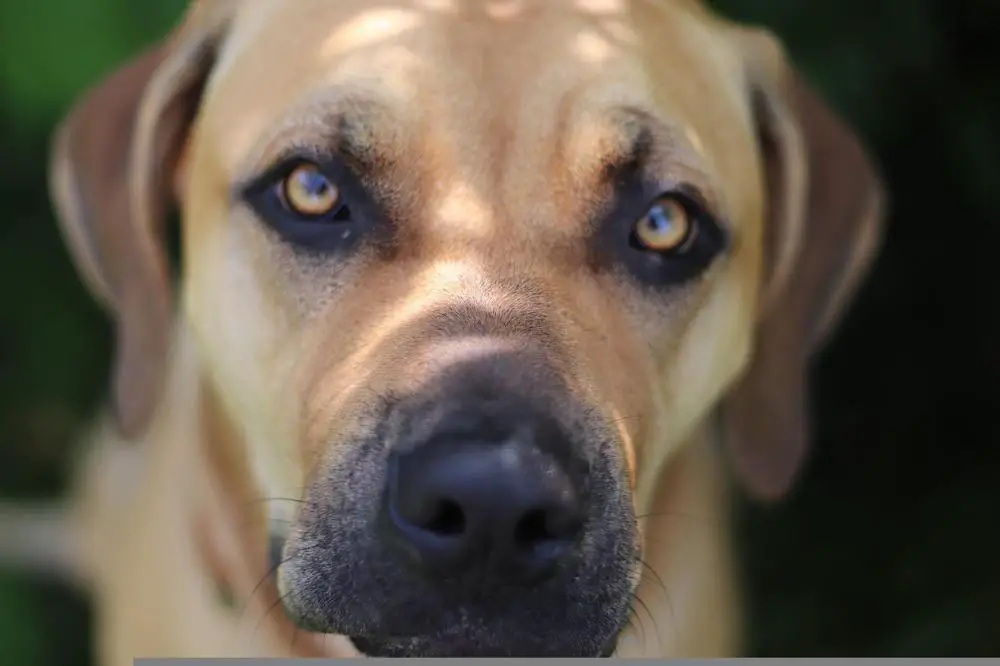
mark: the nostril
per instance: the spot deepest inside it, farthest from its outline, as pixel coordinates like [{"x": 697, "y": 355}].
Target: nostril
[
  {"x": 532, "y": 529},
  {"x": 446, "y": 519},
  {"x": 502, "y": 507},
  {"x": 542, "y": 526}
]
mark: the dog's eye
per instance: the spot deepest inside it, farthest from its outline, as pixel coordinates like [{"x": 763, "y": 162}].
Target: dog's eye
[
  {"x": 309, "y": 193},
  {"x": 673, "y": 241},
  {"x": 316, "y": 205},
  {"x": 666, "y": 227}
]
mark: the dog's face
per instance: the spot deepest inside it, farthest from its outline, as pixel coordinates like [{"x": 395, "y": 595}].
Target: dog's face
[
  {"x": 465, "y": 274},
  {"x": 506, "y": 233}
]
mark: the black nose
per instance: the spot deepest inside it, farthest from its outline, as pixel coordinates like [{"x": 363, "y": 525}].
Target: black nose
[{"x": 508, "y": 507}]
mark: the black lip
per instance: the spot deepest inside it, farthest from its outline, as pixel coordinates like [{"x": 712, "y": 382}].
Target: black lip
[{"x": 373, "y": 647}]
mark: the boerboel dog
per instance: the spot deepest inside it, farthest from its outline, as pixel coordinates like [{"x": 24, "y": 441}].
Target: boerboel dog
[{"x": 479, "y": 304}]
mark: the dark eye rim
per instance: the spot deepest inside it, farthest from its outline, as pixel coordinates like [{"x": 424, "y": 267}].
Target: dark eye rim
[
  {"x": 340, "y": 229},
  {"x": 664, "y": 269}
]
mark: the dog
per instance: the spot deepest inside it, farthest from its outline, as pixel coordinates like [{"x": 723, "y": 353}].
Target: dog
[{"x": 484, "y": 307}]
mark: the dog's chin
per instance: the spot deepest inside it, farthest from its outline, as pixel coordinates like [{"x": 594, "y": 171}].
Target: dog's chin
[
  {"x": 467, "y": 637},
  {"x": 430, "y": 647}
]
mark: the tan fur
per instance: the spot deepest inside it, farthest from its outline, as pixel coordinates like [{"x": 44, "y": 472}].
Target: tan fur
[{"x": 488, "y": 124}]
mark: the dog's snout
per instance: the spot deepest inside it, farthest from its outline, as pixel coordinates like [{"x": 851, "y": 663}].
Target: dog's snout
[
  {"x": 486, "y": 504},
  {"x": 506, "y": 508}
]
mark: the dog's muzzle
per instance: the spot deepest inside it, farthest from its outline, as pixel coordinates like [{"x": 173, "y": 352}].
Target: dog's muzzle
[{"x": 476, "y": 522}]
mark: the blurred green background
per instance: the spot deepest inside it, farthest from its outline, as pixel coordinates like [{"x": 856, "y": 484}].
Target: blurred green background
[{"x": 891, "y": 544}]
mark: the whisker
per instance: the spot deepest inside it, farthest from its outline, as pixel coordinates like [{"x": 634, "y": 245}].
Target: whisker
[
  {"x": 656, "y": 576},
  {"x": 295, "y": 636},
  {"x": 634, "y": 614},
  {"x": 656, "y": 628},
  {"x": 666, "y": 594},
  {"x": 627, "y": 417},
  {"x": 261, "y": 500},
  {"x": 630, "y": 626},
  {"x": 271, "y": 570},
  {"x": 270, "y": 608},
  {"x": 257, "y": 521}
]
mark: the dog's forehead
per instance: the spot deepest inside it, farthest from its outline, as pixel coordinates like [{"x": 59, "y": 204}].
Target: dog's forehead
[{"x": 475, "y": 82}]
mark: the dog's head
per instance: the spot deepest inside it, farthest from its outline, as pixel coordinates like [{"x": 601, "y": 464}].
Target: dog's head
[{"x": 466, "y": 274}]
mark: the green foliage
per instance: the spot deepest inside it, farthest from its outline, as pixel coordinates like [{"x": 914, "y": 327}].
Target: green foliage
[
  {"x": 19, "y": 629},
  {"x": 49, "y": 52}
]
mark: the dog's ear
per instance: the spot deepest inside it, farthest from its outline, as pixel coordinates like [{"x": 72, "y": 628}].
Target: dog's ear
[
  {"x": 112, "y": 181},
  {"x": 823, "y": 226}
]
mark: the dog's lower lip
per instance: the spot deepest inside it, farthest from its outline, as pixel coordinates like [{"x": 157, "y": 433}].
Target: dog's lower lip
[
  {"x": 373, "y": 647},
  {"x": 370, "y": 648}
]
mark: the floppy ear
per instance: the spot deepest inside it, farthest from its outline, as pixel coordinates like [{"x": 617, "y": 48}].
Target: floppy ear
[
  {"x": 823, "y": 227},
  {"x": 111, "y": 179}
]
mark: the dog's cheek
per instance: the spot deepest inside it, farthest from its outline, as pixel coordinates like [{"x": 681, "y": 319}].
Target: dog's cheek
[
  {"x": 243, "y": 341},
  {"x": 709, "y": 355}
]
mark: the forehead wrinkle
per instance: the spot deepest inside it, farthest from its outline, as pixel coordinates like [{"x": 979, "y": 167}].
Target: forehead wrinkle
[
  {"x": 670, "y": 155},
  {"x": 619, "y": 138},
  {"x": 589, "y": 138},
  {"x": 356, "y": 127},
  {"x": 633, "y": 139}
]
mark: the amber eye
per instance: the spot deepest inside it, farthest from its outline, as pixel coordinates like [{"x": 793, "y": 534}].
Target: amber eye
[
  {"x": 666, "y": 227},
  {"x": 307, "y": 192}
]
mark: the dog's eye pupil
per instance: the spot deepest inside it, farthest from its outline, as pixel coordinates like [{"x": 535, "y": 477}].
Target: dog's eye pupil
[
  {"x": 666, "y": 227},
  {"x": 308, "y": 192}
]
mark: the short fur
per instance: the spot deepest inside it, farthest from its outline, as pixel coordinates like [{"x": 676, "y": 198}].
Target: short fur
[{"x": 249, "y": 400}]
